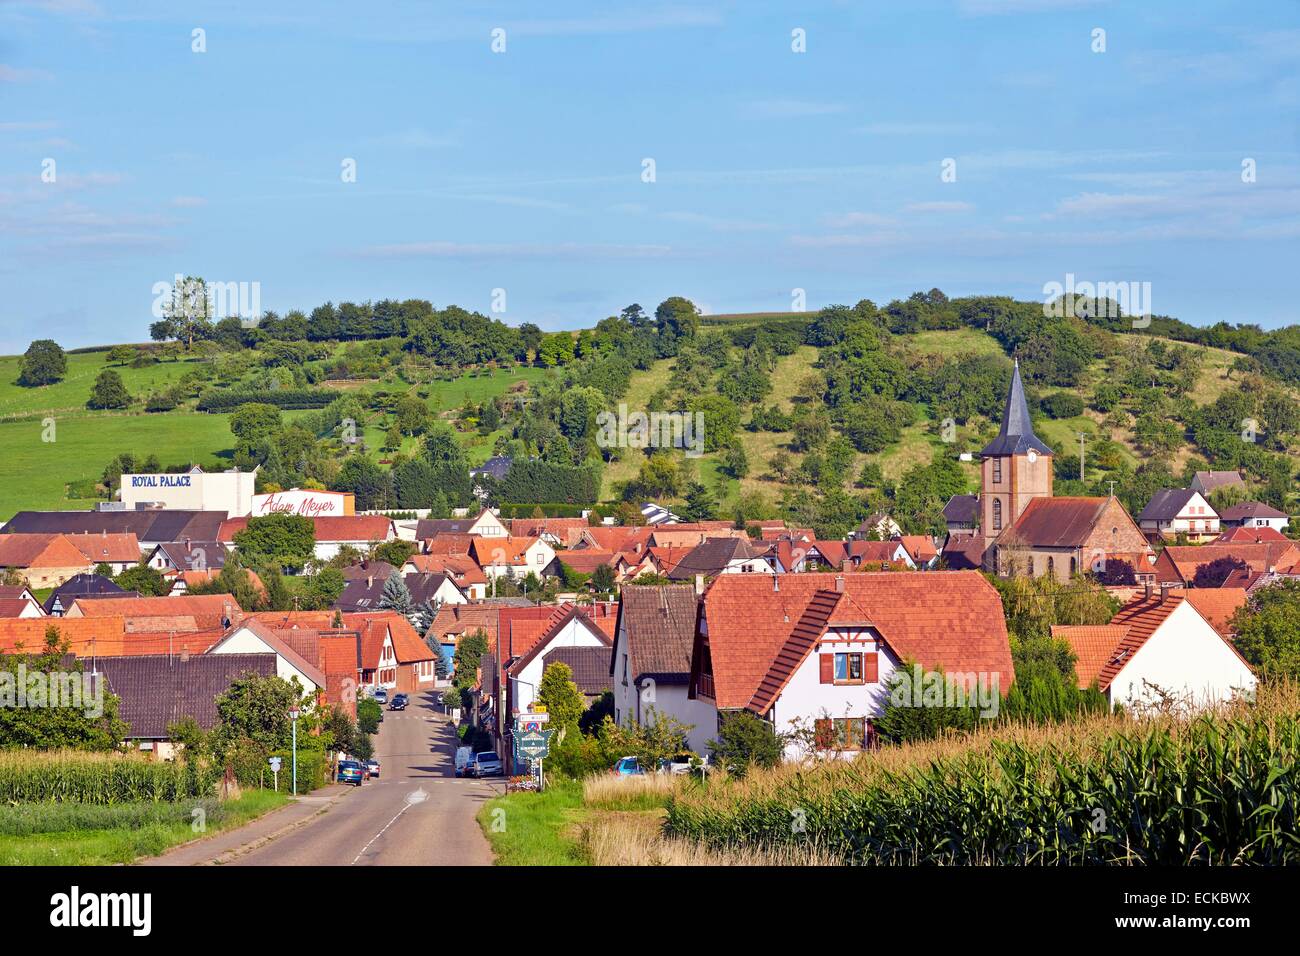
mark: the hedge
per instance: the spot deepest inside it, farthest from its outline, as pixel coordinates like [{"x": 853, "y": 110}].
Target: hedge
[{"x": 224, "y": 400}]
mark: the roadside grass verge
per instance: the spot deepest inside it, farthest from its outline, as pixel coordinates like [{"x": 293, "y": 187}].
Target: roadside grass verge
[
  {"x": 535, "y": 829},
  {"x": 65, "y": 834}
]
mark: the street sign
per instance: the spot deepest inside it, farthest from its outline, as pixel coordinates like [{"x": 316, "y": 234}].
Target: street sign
[
  {"x": 275, "y": 764},
  {"x": 534, "y": 744}
]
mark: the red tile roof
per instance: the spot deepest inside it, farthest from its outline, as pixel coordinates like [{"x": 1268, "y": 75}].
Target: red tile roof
[
  {"x": 1218, "y": 605},
  {"x": 354, "y": 529},
  {"x": 1055, "y": 522},
  {"x": 100, "y": 635},
  {"x": 206, "y": 611},
  {"x": 107, "y": 547},
  {"x": 1245, "y": 535},
  {"x": 948, "y": 619},
  {"x": 1266, "y": 556},
  {"x": 41, "y": 551},
  {"x": 1093, "y": 646}
]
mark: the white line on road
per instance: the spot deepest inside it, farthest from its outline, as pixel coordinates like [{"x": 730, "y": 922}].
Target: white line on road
[{"x": 380, "y": 833}]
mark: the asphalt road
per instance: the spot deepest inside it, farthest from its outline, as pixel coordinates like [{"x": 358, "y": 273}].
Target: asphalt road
[{"x": 418, "y": 813}]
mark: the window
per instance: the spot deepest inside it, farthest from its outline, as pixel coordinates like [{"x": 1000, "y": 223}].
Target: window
[
  {"x": 849, "y": 668},
  {"x": 1051, "y": 567},
  {"x": 843, "y": 733},
  {"x": 997, "y": 470},
  {"x": 997, "y": 514}
]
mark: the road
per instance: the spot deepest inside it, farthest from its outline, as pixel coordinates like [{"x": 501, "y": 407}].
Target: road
[{"x": 418, "y": 813}]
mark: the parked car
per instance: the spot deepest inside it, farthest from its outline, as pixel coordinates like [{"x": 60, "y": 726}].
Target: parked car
[
  {"x": 398, "y": 702},
  {"x": 381, "y": 695},
  {"x": 486, "y": 764},
  {"x": 627, "y": 767},
  {"x": 350, "y": 772},
  {"x": 372, "y": 765},
  {"x": 464, "y": 757}
]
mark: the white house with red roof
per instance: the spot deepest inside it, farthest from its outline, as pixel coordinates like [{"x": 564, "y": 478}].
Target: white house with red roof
[
  {"x": 813, "y": 653},
  {"x": 1159, "y": 652}
]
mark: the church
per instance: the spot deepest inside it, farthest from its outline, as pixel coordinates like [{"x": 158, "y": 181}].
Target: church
[{"x": 1021, "y": 528}]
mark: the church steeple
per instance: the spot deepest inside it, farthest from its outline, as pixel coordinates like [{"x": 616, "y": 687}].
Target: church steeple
[{"x": 1016, "y": 436}]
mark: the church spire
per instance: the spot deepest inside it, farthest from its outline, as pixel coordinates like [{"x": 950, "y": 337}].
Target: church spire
[{"x": 1016, "y": 436}]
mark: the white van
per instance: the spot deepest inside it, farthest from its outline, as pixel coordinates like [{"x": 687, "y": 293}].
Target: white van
[{"x": 464, "y": 756}]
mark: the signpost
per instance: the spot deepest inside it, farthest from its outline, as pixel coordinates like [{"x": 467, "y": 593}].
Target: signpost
[
  {"x": 533, "y": 746},
  {"x": 275, "y": 769}
]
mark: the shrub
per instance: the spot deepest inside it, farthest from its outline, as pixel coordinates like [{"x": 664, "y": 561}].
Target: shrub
[{"x": 1063, "y": 405}]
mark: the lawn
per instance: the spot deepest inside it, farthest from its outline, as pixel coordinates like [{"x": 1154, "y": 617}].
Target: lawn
[{"x": 123, "y": 843}]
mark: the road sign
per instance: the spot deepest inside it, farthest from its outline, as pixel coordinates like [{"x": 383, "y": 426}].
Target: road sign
[
  {"x": 534, "y": 744},
  {"x": 275, "y": 764}
]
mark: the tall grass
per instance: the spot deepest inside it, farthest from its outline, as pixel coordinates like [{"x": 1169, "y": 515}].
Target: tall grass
[
  {"x": 641, "y": 792},
  {"x": 1218, "y": 789},
  {"x": 28, "y": 818},
  {"x": 77, "y": 777}
]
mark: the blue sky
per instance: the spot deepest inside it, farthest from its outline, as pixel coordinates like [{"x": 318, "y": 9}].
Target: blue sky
[{"x": 522, "y": 170}]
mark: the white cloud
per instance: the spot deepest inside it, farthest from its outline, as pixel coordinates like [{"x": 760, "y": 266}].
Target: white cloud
[{"x": 939, "y": 206}]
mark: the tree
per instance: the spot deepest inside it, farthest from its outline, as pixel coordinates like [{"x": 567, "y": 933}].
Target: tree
[
  {"x": 745, "y": 740},
  {"x": 140, "y": 577},
  {"x": 257, "y": 708},
  {"x": 108, "y": 391},
  {"x": 324, "y": 588},
  {"x": 602, "y": 579},
  {"x": 561, "y": 697},
  {"x": 369, "y": 714},
  {"x": 44, "y": 363},
  {"x": 1268, "y": 630},
  {"x": 396, "y": 552},
  {"x": 470, "y": 649},
  {"x": 253, "y": 422},
  {"x": 62, "y": 710},
  {"x": 286, "y": 540},
  {"x": 736, "y": 460},
  {"x": 700, "y": 504},
  {"x": 396, "y": 596}
]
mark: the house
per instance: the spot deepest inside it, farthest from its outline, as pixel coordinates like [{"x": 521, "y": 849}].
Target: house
[
  {"x": 332, "y": 532},
  {"x": 920, "y": 549},
  {"x": 679, "y": 536},
  {"x": 448, "y": 542},
  {"x": 253, "y": 636},
  {"x": 587, "y": 560},
  {"x": 568, "y": 626},
  {"x": 1179, "y": 511},
  {"x": 176, "y": 556},
  {"x": 182, "y": 581},
  {"x": 1266, "y": 556},
  {"x": 1242, "y": 534},
  {"x": 626, "y": 539},
  {"x": 85, "y": 638},
  {"x": 42, "y": 560},
  {"x": 879, "y": 526},
  {"x": 157, "y": 690},
  {"x": 61, "y": 598},
  {"x": 878, "y": 554},
  {"x": 514, "y": 557},
  {"x": 461, "y": 569},
  {"x": 722, "y": 556},
  {"x": 1207, "y": 482},
  {"x": 1218, "y": 606},
  {"x": 21, "y": 601},
  {"x": 365, "y": 594},
  {"x": 557, "y": 532},
  {"x": 150, "y": 527},
  {"x": 653, "y": 514},
  {"x": 590, "y": 667},
  {"x": 650, "y": 663},
  {"x": 187, "y": 612},
  {"x": 961, "y": 513},
  {"x": 485, "y": 525},
  {"x": 393, "y": 656},
  {"x": 120, "y": 550},
  {"x": 1159, "y": 651},
  {"x": 813, "y": 654},
  {"x": 1255, "y": 514},
  {"x": 963, "y": 551}
]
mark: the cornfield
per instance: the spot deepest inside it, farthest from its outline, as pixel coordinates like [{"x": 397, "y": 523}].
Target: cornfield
[
  {"x": 1219, "y": 789},
  {"x": 78, "y": 777}
]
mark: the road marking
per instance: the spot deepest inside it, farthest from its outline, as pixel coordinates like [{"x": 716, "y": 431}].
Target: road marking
[{"x": 380, "y": 833}]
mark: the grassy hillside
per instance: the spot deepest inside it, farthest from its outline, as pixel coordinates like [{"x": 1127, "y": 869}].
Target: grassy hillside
[{"x": 38, "y": 471}]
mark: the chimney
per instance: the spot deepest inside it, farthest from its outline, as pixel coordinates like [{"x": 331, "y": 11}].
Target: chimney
[
  {"x": 845, "y": 566},
  {"x": 839, "y": 583},
  {"x": 699, "y": 584},
  {"x": 776, "y": 582},
  {"x": 1164, "y": 592},
  {"x": 1148, "y": 590}
]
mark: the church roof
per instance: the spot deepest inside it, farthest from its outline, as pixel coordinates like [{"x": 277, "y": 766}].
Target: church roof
[{"x": 1016, "y": 436}]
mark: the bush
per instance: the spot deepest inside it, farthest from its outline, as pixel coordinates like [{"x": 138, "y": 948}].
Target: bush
[
  {"x": 744, "y": 740},
  {"x": 224, "y": 400},
  {"x": 1063, "y": 405}
]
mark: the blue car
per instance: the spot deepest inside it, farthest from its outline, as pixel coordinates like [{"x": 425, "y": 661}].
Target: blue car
[
  {"x": 627, "y": 767},
  {"x": 350, "y": 772}
]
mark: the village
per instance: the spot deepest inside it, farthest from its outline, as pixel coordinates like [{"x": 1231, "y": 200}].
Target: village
[{"x": 686, "y": 621}]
